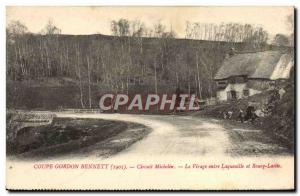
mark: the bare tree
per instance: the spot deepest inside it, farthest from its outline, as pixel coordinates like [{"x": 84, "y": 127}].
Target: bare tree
[
  {"x": 198, "y": 76},
  {"x": 78, "y": 68},
  {"x": 89, "y": 80},
  {"x": 50, "y": 29},
  {"x": 15, "y": 31}
]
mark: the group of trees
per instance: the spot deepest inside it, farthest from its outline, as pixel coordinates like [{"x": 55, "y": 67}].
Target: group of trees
[
  {"x": 152, "y": 55},
  {"x": 136, "y": 28},
  {"x": 22, "y": 56},
  {"x": 231, "y": 32}
]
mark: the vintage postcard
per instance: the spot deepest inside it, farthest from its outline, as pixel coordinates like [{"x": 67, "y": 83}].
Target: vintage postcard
[{"x": 150, "y": 98}]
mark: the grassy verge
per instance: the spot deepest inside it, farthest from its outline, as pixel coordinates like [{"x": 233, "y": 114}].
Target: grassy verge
[{"x": 65, "y": 136}]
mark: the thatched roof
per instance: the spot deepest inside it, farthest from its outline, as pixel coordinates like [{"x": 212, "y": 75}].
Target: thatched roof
[{"x": 254, "y": 65}]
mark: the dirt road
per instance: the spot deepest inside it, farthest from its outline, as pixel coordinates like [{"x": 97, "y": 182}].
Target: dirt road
[
  {"x": 181, "y": 141},
  {"x": 195, "y": 136}
]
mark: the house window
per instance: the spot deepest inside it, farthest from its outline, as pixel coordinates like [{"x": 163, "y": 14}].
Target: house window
[
  {"x": 246, "y": 92},
  {"x": 221, "y": 84},
  {"x": 232, "y": 95}
]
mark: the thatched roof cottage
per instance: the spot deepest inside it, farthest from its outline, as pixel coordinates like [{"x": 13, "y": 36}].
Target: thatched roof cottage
[{"x": 246, "y": 74}]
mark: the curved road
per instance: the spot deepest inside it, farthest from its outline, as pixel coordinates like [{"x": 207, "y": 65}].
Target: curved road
[
  {"x": 174, "y": 140},
  {"x": 190, "y": 135}
]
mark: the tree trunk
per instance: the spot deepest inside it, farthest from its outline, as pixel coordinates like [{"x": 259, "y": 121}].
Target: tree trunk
[
  {"x": 196, "y": 85},
  {"x": 79, "y": 75},
  {"x": 89, "y": 80},
  {"x": 198, "y": 77},
  {"x": 155, "y": 78},
  {"x": 80, "y": 87}
]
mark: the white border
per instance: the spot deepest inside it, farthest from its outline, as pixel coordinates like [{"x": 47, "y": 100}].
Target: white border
[
  {"x": 155, "y": 2},
  {"x": 4, "y": 3}
]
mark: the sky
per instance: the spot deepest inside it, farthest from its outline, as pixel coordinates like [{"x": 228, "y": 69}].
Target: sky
[{"x": 91, "y": 20}]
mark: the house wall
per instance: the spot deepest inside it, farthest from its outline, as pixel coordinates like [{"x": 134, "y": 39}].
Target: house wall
[
  {"x": 253, "y": 91},
  {"x": 238, "y": 88},
  {"x": 221, "y": 95}
]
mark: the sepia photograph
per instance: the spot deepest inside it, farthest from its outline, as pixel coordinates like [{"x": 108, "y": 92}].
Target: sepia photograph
[{"x": 150, "y": 98}]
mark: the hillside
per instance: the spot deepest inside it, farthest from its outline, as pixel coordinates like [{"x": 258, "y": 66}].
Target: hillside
[{"x": 52, "y": 71}]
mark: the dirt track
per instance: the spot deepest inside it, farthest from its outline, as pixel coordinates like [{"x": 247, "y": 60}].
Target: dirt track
[
  {"x": 175, "y": 140},
  {"x": 187, "y": 135}
]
